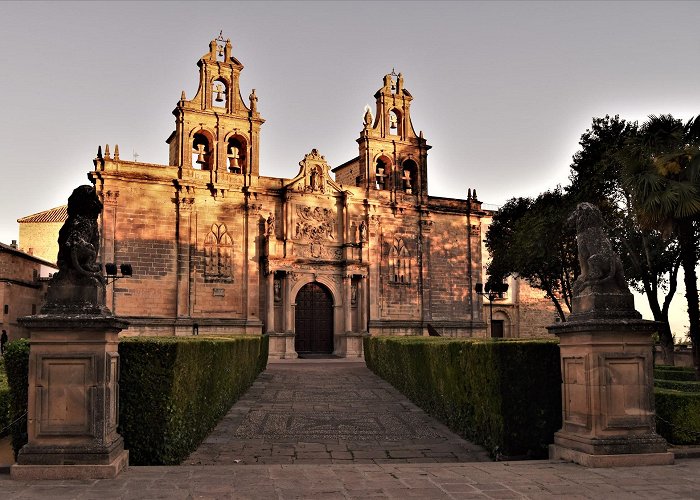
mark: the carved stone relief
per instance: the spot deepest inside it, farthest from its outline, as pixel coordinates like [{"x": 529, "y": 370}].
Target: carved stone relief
[{"x": 315, "y": 224}]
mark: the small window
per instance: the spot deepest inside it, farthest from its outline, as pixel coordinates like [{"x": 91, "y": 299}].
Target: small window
[
  {"x": 33, "y": 309},
  {"x": 7, "y": 309}
]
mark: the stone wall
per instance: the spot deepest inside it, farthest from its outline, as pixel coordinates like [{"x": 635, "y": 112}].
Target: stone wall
[{"x": 23, "y": 281}]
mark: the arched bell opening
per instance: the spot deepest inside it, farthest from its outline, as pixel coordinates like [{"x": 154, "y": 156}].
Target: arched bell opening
[
  {"x": 219, "y": 93},
  {"x": 409, "y": 177},
  {"x": 201, "y": 151},
  {"x": 236, "y": 148},
  {"x": 395, "y": 122},
  {"x": 382, "y": 169}
]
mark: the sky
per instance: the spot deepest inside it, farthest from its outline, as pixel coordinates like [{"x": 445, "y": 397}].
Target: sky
[{"x": 502, "y": 90}]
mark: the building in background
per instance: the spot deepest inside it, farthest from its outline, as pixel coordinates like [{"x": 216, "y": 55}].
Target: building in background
[
  {"x": 38, "y": 233},
  {"x": 23, "y": 282},
  {"x": 315, "y": 260}
]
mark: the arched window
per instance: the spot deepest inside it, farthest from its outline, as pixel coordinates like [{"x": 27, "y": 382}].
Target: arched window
[
  {"x": 219, "y": 93},
  {"x": 235, "y": 153},
  {"x": 381, "y": 172},
  {"x": 218, "y": 254},
  {"x": 399, "y": 262},
  {"x": 409, "y": 177},
  {"x": 201, "y": 152}
]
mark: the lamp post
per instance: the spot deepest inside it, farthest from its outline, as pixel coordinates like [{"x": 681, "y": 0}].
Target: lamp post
[{"x": 491, "y": 292}]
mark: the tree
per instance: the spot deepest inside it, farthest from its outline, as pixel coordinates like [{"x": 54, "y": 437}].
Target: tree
[
  {"x": 651, "y": 262},
  {"x": 531, "y": 239},
  {"x": 661, "y": 171}
]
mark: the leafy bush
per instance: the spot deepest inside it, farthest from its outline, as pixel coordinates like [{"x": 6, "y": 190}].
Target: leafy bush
[
  {"x": 174, "y": 390},
  {"x": 504, "y": 395},
  {"x": 17, "y": 368},
  {"x": 678, "y": 416}
]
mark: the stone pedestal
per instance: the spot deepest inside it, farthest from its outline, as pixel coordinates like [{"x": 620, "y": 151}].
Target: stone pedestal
[
  {"x": 281, "y": 345},
  {"x": 608, "y": 392},
  {"x": 73, "y": 405}
]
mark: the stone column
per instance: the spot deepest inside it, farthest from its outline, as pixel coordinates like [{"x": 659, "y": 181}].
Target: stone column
[
  {"x": 184, "y": 221},
  {"x": 362, "y": 303},
  {"x": 270, "y": 311},
  {"x": 347, "y": 302}
]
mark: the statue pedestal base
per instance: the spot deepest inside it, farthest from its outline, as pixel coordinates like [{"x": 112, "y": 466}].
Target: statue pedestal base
[
  {"x": 608, "y": 394},
  {"x": 73, "y": 398}
]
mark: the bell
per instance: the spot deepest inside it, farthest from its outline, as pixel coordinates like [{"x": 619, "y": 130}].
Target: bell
[
  {"x": 219, "y": 91},
  {"x": 219, "y": 50},
  {"x": 200, "y": 153},
  {"x": 392, "y": 121}
]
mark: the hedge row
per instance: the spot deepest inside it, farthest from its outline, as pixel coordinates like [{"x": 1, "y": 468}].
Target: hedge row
[
  {"x": 17, "y": 368},
  {"x": 172, "y": 390},
  {"x": 677, "y": 373},
  {"x": 4, "y": 401},
  {"x": 678, "y": 416},
  {"x": 504, "y": 395},
  {"x": 678, "y": 385}
]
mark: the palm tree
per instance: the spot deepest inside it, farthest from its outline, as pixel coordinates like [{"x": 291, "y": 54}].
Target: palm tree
[{"x": 661, "y": 170}]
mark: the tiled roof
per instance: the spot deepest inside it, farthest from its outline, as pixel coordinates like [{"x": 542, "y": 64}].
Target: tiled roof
[{"x": 58, "y": 214}]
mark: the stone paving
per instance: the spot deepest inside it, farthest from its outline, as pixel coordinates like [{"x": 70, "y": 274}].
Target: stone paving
[
  {"x": 358, "y": 438},
  {"x": 534, "y": 479},
  {"x": 328, "y": 412}
]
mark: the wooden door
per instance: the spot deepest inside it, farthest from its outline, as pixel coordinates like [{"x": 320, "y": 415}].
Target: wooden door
[{"x": 313, "y": 322}]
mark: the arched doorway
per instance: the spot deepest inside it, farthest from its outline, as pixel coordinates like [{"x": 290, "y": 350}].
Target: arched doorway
[{"x": 313, "y": 322}]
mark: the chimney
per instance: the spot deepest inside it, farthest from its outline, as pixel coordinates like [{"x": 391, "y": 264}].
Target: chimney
[{"x": 14, "y": 244}]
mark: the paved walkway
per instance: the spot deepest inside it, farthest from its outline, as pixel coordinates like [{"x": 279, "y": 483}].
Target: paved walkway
[
  {"x": 329, "y": 412},
  {"x": 535, "y": 479},
  {"x": 343, "y": 414}
]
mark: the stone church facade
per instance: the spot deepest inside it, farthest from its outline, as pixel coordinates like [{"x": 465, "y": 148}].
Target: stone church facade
[{"x": 318, "y": 260}]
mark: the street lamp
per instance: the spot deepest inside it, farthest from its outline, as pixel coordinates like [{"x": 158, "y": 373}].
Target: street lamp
[
  {"x": 111, "y": 271},
  {"x": 491, "y": 292}
]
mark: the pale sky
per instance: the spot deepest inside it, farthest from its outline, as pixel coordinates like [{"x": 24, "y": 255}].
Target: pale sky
[{"x": 502, "y": 90}]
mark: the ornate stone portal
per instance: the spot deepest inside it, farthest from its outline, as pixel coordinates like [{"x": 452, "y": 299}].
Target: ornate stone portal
[
  {"x": 73, "y": 363},
  {"x": 606, "y": 363}
]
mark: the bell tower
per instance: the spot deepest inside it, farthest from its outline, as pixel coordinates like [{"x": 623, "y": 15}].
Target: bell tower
[
  {"x": 392, "y": 157},
  {"x": 216, "y": 130}
]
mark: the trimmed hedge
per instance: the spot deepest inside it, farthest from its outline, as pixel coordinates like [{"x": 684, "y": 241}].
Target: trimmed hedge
[
  {"x": 504, "y": 395},
  {"x": 17, "y": 368},
  {"x": 678, "y": 416},
  {"x": 4, "y": 401},
  {"x": 678, "y": 385},
  {"x": 683, "y": 374},
  {"x": 172, "y": 390}
]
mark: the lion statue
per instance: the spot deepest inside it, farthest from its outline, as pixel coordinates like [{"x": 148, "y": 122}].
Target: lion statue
[
  {"x": 601, "y": 268},
  {"x": 79, "y": 238}
]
